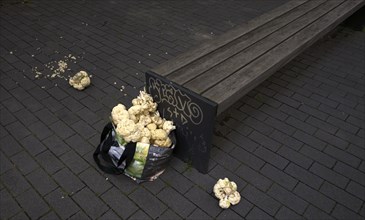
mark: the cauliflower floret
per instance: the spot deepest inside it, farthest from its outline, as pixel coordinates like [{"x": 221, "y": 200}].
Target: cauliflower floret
[
  {"x": 224, "y": 203},
  {"x": 145, "y": 140},
  {"x": 80, "y": 80},
  {"x": 156, "y": 118},
  {"x": 129, "y": 130},
  {"x": 234, "y": 198},
  {"x": 146, "y": 101},
  {"x": 146, "y": 133},
  {"x": 218, "y": 191},
  {"x": 145, "y": 120},
  {"x": 168, "y": 126},
  {"x": 159, "y": 134},
  {"x": 163, "y": 143},
  {"x": 119, "y": 113},
  {"x": 152, "y": 127},
  {"x": 135, "y": 110}
]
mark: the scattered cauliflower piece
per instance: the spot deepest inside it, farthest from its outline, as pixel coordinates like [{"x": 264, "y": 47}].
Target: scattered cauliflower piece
[
  {"x": 168, "y": 126},
  {"x": 80, "y": 80},
  {"x": 226, "y": 192}
]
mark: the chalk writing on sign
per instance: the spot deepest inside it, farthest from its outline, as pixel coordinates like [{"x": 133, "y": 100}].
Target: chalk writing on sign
[{"x": 180, "y": 103}]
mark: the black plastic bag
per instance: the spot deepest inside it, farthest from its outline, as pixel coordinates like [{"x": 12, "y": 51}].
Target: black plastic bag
[{"x": 141, "y": 162}]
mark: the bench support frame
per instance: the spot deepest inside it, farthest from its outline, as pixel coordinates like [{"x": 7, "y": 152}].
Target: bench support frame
[{"x": 193, "y": 116}]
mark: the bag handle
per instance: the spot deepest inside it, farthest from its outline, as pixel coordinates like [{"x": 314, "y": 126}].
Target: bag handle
[{"x": 127, "y": 155}]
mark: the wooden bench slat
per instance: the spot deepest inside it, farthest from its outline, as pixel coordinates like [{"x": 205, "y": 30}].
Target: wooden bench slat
[
  {"x": 207, "y": 62},
  {"x": 234, "y": 87},
  {"x": 238, "y": 61},
  {"x": 186, "y": 58}
]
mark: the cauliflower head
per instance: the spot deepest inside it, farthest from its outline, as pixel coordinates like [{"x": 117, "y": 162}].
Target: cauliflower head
[
  {"x": 129, "y": 130},
  {"x": 80, "y": 80},
  {"x": 226, "y": 192},
  {"x": 119, "y": 113}
]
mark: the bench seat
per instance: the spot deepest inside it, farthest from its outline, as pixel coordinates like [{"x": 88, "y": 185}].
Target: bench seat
[{"x": 223, "y": 70}]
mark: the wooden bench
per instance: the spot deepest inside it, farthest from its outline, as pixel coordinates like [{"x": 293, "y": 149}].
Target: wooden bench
[{"x": 196, "y": 86}]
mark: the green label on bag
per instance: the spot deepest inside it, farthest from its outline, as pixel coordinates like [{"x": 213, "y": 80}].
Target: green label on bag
[{"x": 136, "y": 167}]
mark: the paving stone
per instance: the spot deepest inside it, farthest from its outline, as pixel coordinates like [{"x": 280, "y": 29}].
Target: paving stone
[
  {"x": 247, "y": 158},
  {"x": 203, "y": 200},
  {"x": 41, "y": 181},
  {"x": 140, "y": 215},
  {"x": 56, "y": 145},
  {"x": 314, "y": 197},
  {"x": 304, "y": 176},
  {"x": 258, "y": 125},
  {"x": 204, "y": 181},
  {"x": 356, "y": 190},
  {"x": 279, "y": 176},
  {"x": 242, "y": 141},
  {"x": 322, "y": 125},
  {"x": 301, "y": 125},
  {"x": 343, "y": 156},
  {"x": 285, "y": 213},
  {"x": 110, "y": 215},
  {"x": 34, "y": 207},
  {"x": 293, "y": 112},
  {"x": 176, "y": 202},
  {"x": 80, "y": 216},
  {"x": 295, "y": 157},
  {"x": 92, "y": 205},
  {"x": 341, "y": 196},
  {"x": 350, "y": 172},
  {"x": 62, "y": 204},
  {"x": 49, "y": 162},
  {"x": 77, "y": 143},
  {"x": 74, "y": 162},
  {"x": 253, "y": 177},
  {"x": 168, "y": 214},
  {"x": 271, "y": 157},
  {"x": 315, "y": 213},
  {"x": 62, "y": 129},
  {"x": 25, "y": 117},
  {"x": 14, "y": 182},
  {"x": 151, "y": 205},
  {"x": 286, "y": 140},
  {"x": 199, "y": 215},
  {"x": 176, "y": 180},
  {"x": 265, "y": 141},
  {"x": 260, "y": 199},
  {"x": 49, "y": 215},
  {"x": 280, "y": 125},
  {"x": 8, "y": 205},
  {"x": 83, "y": 129},
  {"x": 24, "y": 162},
  {"x": 348, "y": 137},
  {"x": 329, "y": 175},
  {"x": 20, "y": 216},
  {"x": 18, "y": 130},
  {"x": 257, "y": 213},
  {"x": 228, "y": 214},
  {"x": 123, "y": 183},
  {"x": 224, "y": 159},
  {"x": 341, "y": 212},
  {"x": 310, "y": 140},
  {"x": 32, "y": 145},
  {"x": 288, "y": 199},
  {"x": 5, "y": 163},
  {"x": 40, "y": 130},
  {"x": 333, "y": 140},
  {"x": 68, "y": 181},
  {"x": 95, "y": 181}
]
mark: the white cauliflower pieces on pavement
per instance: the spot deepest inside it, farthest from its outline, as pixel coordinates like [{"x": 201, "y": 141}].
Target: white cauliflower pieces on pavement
[
  {"x": 226, "y": 192},
  {"x": 142, "y": 122},
  {"x": 80, "y": 80}
]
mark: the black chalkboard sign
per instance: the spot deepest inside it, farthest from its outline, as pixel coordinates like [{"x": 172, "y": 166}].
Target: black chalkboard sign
[{"x": 193, "y": 116}]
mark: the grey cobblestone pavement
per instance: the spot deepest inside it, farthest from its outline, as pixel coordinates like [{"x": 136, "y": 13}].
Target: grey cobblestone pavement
[{"x": 294, "y": 145}]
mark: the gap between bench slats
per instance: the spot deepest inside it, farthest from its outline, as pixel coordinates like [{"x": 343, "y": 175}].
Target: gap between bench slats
[{"x": 231, "y": 89}]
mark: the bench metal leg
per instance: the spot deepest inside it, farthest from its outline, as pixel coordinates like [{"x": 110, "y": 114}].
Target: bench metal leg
[{"x": 193, "y": 115}]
